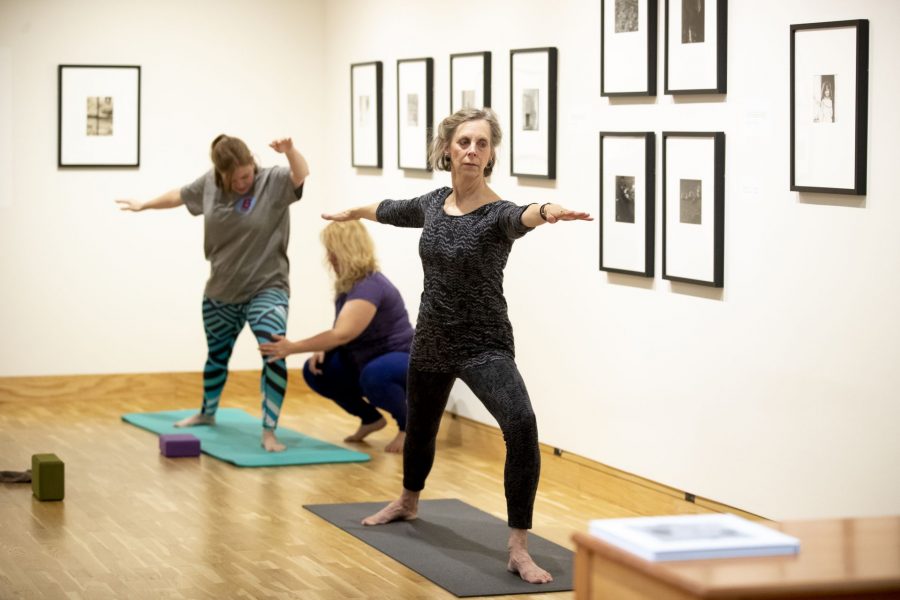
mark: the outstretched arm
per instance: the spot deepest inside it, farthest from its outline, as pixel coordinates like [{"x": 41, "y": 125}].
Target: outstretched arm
[
  {"x": 353, "y": 319},
  {"x": 299, "y": 168},
  {"x": 170, "y": 199},
  {"x": 360, "y": 212},
  {"x": 552, "y": 213}
]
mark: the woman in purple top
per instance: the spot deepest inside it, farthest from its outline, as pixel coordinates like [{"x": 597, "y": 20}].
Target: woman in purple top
[
  {"x": 361, "y": 362},
  {"x": 463, "y": 330}
]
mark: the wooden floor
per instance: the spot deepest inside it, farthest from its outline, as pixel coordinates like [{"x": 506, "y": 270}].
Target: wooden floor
[{"x": 137, "y": 525}]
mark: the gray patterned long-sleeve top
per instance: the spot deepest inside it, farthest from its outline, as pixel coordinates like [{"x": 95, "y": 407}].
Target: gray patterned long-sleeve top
[{"x": 463, "y": 318}]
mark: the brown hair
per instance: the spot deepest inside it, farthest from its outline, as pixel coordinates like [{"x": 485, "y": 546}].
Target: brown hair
[
  {"x": 350, "y": 247},
  {"x": 447, "y": 129},
  {"x": 227, "y": 154}
]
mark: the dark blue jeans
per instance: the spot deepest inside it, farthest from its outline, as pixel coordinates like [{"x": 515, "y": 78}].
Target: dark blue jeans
[{"x": 381, "y": 383}]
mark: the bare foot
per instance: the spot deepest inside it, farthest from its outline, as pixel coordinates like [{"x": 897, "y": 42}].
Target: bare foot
[
  {"x": 396, "y": 444},
  {"x": 405, "y": 508},
  {"x": 270, "y": 442},
  {"x": 365, "y": 430},
  {"x": 520, "y": 561},
  {"x": 198, "y": 419}
]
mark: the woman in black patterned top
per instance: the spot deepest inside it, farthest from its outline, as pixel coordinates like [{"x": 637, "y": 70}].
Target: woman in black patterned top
[{"x": 463, "y": 330}]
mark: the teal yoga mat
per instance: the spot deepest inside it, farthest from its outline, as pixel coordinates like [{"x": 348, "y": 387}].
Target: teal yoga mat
[{"x": 235, "y": 438}]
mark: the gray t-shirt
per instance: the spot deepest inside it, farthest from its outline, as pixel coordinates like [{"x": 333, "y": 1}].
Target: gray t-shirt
[{"x": 246, "y": 235}]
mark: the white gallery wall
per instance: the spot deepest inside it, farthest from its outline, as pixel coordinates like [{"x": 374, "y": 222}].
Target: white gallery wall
[
  {"x": 87, "y": 288},
  {"x": 776, "y": 394}
]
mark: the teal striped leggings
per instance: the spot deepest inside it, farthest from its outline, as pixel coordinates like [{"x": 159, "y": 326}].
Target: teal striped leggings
[{"x": 266, "y": 313}]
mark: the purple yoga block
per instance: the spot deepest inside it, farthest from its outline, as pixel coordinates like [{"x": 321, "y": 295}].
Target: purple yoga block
[{"x": 176, "y": 445}]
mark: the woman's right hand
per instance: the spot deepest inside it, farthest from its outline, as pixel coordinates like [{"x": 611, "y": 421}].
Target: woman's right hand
[
  {"x": 130, "y": 205},
  {"x": 315, "y": 361}
]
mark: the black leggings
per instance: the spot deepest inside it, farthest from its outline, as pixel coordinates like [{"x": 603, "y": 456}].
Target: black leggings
[{"x": 500, "y": 388}]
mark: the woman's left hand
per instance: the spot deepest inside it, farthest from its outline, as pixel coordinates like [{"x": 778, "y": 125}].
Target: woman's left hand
[
  {"x": 277, "y": 349},
  {"x": 282, "y": 145},
  {"x": 558, "y": 213}
]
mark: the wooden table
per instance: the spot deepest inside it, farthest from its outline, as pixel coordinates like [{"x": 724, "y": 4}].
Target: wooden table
[{"x": 839, "y": 558}]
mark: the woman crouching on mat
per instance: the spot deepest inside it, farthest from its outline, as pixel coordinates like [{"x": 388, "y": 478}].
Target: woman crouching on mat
[
  {"x": 463, "y": 330},
  {"x": 362, "y": 361}
]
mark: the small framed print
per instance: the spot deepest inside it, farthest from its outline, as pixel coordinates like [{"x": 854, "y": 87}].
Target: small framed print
[
  {"x": 415, "y": 112},
  {"x": 694, "y": 207},
  {"x": 533, "y": 112},
  {"x": 627, "y": 202},
  {"x": 628, "y": 47},
  {"x": 99, "y": 116},
  {"x": 366, "y": 114},
  {"x": 470, "y": 80},
  {"x": 829, "y": 106},
  {"x": 696, "y": 46}
]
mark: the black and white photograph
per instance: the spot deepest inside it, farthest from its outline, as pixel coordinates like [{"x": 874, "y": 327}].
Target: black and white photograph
[
  {"x": 531, "y": 102},
  {"x": 823, "y": 98},
  {"x": 692, "y": 21},
  {"x": 829, "y": 107},
  {"x": 366, "y": 114},
  {"x": 693, "y": 202},
  {"x": 415, "y": 112},
  {"x": 691, "y": 193},
  {"x": 628, "y": 47},
  {"x": 627, "y": 202},
  {"x": 412, "y": 110},
  {"x": 696, "y": 41},
  {"x": 626, "y": 15},
  {"x": 624, "y": 198},
  {"x": 532, "y": 112},
  {"x": 470, "y": 80},
  {"x": 99, "y": 116}
]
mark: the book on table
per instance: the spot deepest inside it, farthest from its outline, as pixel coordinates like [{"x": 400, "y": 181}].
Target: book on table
[{"x": 692, "y": 537}]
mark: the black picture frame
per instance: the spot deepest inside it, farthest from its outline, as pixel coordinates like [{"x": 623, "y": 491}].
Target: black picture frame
[
  {"x": 98, "y": 116},
  {"x": 829, "y": 107},
  {"x": 693, "y": 229},
  {"x": 415, "y": 112},
  {"x": 628, "y": 33},
  {"x": 366, "y": 122},
  {"x": 628, "y": 202},
  {"x": 696, "y": 34},
  {"x": 473, "y": 70},
  {"x": 532, "y": 134}
]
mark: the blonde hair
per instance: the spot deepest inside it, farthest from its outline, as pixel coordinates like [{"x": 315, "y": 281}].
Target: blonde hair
[
  {"x": 351, "y": 253},
  {"x": 227, "y": 154},
  {"x": 447, "y": 129}
]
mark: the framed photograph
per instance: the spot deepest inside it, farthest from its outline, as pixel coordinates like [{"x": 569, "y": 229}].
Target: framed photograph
[
  {"x": 829, "y": 106},
  {"x": 693, "y": 173},
  {"x": 628, "y": 47},
  {"x": 696, "y": 46},
  {"x": 470, "y": 80},
  {"x": 415, "y": 112},
  {"x": 532, "y": 107},
  {"x": 99, "y": 116},
  {"x": 366, "y": 113},
  {"x": 627, "y": 202}
]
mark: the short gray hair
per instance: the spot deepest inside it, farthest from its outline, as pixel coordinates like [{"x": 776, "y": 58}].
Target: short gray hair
[{"x": 447, "y": 129}]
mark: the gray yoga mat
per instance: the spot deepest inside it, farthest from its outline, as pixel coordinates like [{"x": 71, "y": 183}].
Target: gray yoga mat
[{"x": 454, "y": 545}]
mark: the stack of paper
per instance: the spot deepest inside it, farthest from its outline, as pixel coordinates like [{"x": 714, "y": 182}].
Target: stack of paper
[{"x": 688, "y": 537}]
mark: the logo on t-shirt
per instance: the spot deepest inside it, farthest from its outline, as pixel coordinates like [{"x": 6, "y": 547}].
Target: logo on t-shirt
[{"x": 245, "y": 205}]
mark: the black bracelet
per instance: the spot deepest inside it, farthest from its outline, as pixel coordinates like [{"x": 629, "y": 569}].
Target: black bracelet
[{"x": 543, "y": 210}]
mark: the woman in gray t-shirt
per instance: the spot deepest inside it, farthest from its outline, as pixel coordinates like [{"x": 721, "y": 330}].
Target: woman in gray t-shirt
[
  {"x": 463, "y": 330},
  {"x": 246, "y": 229}
]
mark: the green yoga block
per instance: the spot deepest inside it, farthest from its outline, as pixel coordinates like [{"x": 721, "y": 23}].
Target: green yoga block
[{"x": 48, "y": 477}]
